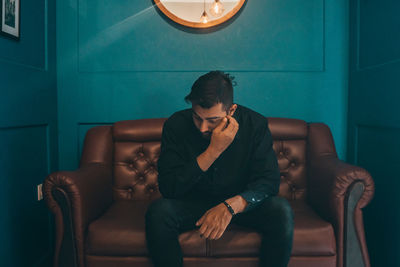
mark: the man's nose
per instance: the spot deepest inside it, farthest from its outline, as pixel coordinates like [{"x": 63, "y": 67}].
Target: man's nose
[{"x": 203, "y": 127}]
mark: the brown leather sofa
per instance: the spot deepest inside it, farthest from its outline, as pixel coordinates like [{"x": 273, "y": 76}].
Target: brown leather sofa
[{"x": 99, "y": 208}]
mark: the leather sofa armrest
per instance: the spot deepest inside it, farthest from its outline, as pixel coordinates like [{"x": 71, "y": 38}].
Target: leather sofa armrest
[
  {"x": 329, "y": 182},
  {"x": 338, "y": 191},
  {"x": 76, "y": 198}
]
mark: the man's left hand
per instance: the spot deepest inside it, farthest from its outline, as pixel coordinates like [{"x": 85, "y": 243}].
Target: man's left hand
[{"x": 214, "y": 222}]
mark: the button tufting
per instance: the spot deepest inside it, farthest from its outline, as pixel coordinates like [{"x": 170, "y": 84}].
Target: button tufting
[
  {"x": 293, "y": 164},
  {"x": 130, "y": 189}
]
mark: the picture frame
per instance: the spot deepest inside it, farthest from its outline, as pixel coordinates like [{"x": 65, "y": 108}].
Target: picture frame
[{"x": 10, "y": 18}]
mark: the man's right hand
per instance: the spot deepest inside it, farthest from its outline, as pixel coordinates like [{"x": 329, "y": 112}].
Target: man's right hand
[{"x": 222, "y": 137}]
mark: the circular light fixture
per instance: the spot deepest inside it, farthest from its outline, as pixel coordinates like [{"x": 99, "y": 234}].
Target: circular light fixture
[{"x": 193, "y": 13}]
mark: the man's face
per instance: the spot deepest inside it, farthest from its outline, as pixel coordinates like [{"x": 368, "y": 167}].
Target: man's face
[{"x": 207, "y": 119}]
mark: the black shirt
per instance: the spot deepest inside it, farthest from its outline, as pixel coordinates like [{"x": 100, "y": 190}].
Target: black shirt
[{"x": 248, "y": 167}]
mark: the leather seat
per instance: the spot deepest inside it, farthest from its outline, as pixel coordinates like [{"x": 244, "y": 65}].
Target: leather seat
[
  {"x": 312, "y": 236},
  {"x": 121, "y": 232}
]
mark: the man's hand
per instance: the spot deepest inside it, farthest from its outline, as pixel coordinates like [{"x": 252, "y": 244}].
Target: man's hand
[
  {"x": 222, "y": 137},
  {"x": 214, "y": 222}
]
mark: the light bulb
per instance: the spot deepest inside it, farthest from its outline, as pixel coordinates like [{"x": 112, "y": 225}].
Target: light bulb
[
  {"x": 217, "y": 9},
  {"x": 204, "y": 18}
]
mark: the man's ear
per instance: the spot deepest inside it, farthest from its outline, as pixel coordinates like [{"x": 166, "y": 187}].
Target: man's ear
[{"x": 233, "y": 109}]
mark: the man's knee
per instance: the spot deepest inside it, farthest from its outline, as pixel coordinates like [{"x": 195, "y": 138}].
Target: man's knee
[
  {"x": 160, "y": 212},
  {"x": 280, "y": 214}
]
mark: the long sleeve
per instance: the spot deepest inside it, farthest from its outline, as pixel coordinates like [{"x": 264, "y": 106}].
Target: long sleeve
[
  {"x": 264, "y": 170},
  {"x": 177, "y": 174}
]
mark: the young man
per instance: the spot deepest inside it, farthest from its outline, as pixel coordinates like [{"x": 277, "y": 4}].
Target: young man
[{"x": 217, "y": 166}]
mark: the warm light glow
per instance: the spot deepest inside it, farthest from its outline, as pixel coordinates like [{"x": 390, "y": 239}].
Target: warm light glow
[
  {"x": 217, "y": 8},
  {"x": 191, "y": 12},
  {"x": 204, "y": 18}
]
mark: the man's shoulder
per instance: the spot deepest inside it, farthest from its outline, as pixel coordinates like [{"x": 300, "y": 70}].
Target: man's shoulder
[
  {"x": 180, "y": 115},
  {"x": 251, "y": 116},
  {"x": 179, "y": 120},
  {"x": 254, "y": 122}
]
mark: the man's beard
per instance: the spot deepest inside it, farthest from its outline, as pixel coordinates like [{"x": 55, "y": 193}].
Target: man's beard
[{"x": 206, "y": 135}]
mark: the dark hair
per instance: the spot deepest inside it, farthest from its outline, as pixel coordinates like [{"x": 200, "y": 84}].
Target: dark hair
[{"x": 212, "y": 88}]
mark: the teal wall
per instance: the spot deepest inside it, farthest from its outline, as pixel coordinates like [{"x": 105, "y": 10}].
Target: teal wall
[
  {"x": 121, "y": 60},
  {"x": 374, "y": 121},
  {"x": 28, "y": 135}
]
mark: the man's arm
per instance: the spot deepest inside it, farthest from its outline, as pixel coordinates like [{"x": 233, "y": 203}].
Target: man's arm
[
  {"x": 264, "y": 174},
  {"x": 177, "y": 174}
]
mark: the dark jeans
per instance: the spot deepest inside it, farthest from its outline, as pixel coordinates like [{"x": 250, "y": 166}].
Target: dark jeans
[{"x": 167, "y": 218}]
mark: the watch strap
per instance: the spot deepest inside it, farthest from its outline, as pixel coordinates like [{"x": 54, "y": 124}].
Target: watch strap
[{"x": 229, "y": 208}]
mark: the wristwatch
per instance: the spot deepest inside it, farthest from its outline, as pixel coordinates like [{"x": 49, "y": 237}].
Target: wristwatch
[{"x": 229, "y": 208}]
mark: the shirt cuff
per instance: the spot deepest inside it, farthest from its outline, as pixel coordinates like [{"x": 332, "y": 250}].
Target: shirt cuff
[{"x": 253, "y": 199}]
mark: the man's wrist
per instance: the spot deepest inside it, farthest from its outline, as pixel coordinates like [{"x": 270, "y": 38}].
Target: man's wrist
[
  {"x": 212, "y": 152},
  {"x": 230, "y": 209},
  {"x": 238, "y": 203}
]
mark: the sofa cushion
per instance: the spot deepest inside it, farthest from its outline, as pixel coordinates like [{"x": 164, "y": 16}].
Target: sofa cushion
[
  {"x": 121, "y": 232},
  {"x": 312, "y": 236}
]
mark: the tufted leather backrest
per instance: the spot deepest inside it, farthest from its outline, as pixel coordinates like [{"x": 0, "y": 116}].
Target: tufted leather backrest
[
  {"x": 137, "y": 148},
  {"x": 290, "y": 143},
  {"x": 136, "y": 151}
]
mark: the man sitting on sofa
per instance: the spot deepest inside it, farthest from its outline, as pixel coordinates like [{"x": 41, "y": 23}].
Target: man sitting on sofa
[{"x": 217, "y": 166}]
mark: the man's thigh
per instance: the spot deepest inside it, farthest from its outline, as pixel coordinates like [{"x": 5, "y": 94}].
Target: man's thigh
[
  {"x": 272, "y": 211},
  {"x": 181, "y": 212}
]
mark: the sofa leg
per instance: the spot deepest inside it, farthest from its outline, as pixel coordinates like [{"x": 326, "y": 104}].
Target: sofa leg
[
  {"x": 353, "y": 256},
  {"x": 67, "y": 256}
]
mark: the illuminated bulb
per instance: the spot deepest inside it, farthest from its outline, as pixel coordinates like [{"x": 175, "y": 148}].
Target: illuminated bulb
[
  {"x": 204, "y": 18},
  {"x": 217, "y": 9}
]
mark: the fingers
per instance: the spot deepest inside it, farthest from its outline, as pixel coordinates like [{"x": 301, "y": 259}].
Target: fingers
[
  {"x": 203, "y": 230},
  {"x": 200, "y": 221},
  {"x": 208, "y": 232},
  {"x": 214, "y": 234},
  {"x": 221, "y": 124},
  {"x": 233, "y": 124},
  {"x": 220, "y": 234}
]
